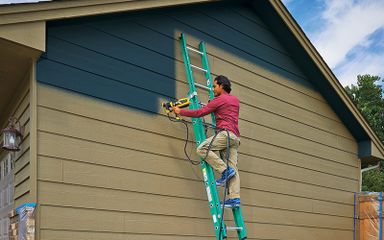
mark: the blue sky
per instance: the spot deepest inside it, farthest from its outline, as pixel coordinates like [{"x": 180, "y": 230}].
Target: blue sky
[{"x": 348, "y": 34}]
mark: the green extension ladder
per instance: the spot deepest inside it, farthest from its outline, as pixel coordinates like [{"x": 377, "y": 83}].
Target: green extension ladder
[{"x": 199, "y": 132}]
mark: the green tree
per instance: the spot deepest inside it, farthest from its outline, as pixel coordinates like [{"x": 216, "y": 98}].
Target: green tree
[{"x": 367, "y": 95}]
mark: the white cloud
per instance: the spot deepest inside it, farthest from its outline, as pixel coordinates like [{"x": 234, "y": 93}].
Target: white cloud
[
  {"x": 333, "y": 9},
  {"x": 365, "y": 58},
  {"x": 346, "y": 24},
  {"x": 363, "y": 63}
]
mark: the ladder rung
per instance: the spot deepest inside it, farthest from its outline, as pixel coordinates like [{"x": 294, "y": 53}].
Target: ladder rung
[
  {"x": 234, "y": 228},
  {"x": 198, "y": 68},
  {"x": 202, "y": 86},
  {"x": 195, "y": 50}
]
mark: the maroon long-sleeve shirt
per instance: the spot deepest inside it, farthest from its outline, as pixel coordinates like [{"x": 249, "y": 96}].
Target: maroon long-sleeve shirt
[{"x": 226, "y": 110}]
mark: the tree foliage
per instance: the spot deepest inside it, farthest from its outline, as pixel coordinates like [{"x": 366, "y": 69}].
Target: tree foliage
[{"x": 367, "y": 95}]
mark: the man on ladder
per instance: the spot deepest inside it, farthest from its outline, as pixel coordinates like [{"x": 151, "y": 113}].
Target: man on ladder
[{"x": 226, "y": 110}]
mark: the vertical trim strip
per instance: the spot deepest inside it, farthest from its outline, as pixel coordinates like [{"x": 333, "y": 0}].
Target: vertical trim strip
[
  {"x": 33, "y": 142},
  {"x": 354, "y": 216},
  {"x": 381, "y": 215}
]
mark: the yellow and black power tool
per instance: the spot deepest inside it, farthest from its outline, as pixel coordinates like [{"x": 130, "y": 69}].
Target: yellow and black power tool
[{"x": 181, "y": 103}]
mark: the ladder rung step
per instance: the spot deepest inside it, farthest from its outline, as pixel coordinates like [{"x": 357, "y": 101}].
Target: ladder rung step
[
  {"x": 198, "y": 68},
  {"x": 202, "y": 86},
  {"x": 234, "y": 228},
  {"x": 195, "y": 50}
]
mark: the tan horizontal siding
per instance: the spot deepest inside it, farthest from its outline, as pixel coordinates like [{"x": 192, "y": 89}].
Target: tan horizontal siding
[
  {"x": 79, "y": 219},
  {"x": 106, "y": 199},
  {"x": 74, "y": 123},
  {"x": 111, "y": 177},
  {"x": 94, "y": 235},
  {"x": 292, "y": 202},
  {"x": 22, "y": 189},
  {"x": 119, "y": 156},
  {"x": 22, "y": 175},
  {"x": 277, "y": 138},
  {"x": 22, "y": 161},
  {"x": 94, "y": 109},
  {"x": 267, "y": 151},
  {"x": 198, "y": 208},
  {"x": 296, "y": 128},
  {"x": 274, "y": 233},
  {"x": 111, "y": 221}
]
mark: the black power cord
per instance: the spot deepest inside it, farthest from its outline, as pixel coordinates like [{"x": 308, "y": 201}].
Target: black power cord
[{"x": 186, "y": 140}]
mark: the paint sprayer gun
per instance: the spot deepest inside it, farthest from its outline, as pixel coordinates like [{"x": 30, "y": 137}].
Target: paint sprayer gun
[{"x": 181, "y": 103}]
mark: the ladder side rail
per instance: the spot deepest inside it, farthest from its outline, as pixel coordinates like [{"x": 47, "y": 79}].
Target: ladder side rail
[
  {"x": 208, "y": 75},
  {"x": 197, "y": 122},
  {"x": 239, "y": 222},
  {"x": 198, "y": 127}
]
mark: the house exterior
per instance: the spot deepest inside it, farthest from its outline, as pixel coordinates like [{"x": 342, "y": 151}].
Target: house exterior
[{"x": 101, "y": 159}]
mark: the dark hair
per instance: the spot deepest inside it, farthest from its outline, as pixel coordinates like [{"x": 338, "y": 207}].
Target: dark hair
[{"x": 224, "y": 81}]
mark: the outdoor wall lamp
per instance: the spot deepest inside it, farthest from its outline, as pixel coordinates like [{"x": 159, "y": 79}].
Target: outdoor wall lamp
[{"x": 12, "y": 135}]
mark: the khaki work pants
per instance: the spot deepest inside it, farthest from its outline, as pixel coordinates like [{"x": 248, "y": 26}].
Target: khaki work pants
[{"x": 218, "y": 164}]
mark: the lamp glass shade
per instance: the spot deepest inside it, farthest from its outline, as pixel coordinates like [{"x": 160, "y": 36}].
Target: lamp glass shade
[{"x": 11, "y": 139}]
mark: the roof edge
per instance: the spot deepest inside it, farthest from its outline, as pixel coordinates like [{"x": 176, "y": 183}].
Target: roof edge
[{"x": 45, "y": 11}]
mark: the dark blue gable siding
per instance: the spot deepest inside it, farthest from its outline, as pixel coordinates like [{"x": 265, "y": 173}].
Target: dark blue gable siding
[
  {"x": 129, "y": 58},
  {"x": 85, "y": 60}
]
